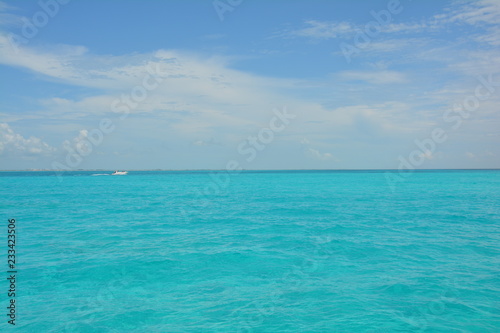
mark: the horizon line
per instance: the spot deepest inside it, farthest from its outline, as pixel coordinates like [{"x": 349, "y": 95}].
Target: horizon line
[{"x": 351, "y": 169}]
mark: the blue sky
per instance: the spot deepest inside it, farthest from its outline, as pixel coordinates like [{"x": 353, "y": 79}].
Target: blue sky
[{"x": 195, "y": 84}]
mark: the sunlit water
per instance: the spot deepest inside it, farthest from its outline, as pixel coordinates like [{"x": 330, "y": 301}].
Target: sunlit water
[{"x": 261, "y": 252}]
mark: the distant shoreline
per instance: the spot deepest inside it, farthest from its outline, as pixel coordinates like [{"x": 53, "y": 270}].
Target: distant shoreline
[{"x": 247, "y": 170}]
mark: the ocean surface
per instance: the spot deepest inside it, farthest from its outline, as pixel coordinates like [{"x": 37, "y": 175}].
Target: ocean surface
[{"x": 305, "y": 251}]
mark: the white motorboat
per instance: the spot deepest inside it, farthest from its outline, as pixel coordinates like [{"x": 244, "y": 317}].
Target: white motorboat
[{"x": 119, "y": 173}]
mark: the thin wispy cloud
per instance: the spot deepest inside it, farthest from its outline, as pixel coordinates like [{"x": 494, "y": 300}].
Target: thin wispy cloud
[
  {"x": 374, "y": 77},
  {"x": 208, "y": 99},
  {"x": 485, "y": 13}
]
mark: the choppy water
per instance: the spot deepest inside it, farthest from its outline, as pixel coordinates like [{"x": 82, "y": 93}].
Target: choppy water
[{"x": 262, "y": 252}]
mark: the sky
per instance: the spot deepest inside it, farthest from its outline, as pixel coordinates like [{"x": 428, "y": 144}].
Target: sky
[{"x": 261, "y": 84}]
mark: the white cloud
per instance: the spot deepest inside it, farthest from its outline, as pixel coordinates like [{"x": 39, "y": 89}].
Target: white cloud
[
  {"x": 477, "y": 12},
  {"x": 396, "y": 44},
  {"x": 202, "y": 101},
  {"x": 209, "y": 142},
  {"x": 57, "y": 67},
  {"x": 185, "y": 78},
  {"x": 492, "y": 38},
  {"x": 329, "y": 30},
  {"x": 77, "y": 143},
  {"x": 484, "y": 13},
  {"x": 374, "y": 77},
  {"x": 7, "y": 19},
  {"x": 322, "y": 156},
  {"x": 14, "y": 142},
  {"x": 3, "y": 6},
  {"x": 324, "y": 30}
]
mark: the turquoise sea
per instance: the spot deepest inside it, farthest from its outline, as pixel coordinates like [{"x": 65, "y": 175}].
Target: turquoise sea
[{"x": 304, "y": 251}]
